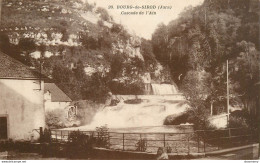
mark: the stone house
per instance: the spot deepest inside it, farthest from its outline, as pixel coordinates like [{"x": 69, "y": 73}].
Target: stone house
[{"x": 21, "y": 100}]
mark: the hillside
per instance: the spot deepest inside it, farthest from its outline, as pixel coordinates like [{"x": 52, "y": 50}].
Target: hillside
[
  {"x": 197, "y": 46},
  {"x": 77, "y": 44}
]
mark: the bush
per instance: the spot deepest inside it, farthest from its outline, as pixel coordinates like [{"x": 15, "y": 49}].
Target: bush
[
  {"x": 103, "y": 139},
  {"x": 80, "y": 145},
  {"x": 55, "y": 118},
  {"x": 45, "y": 136},
  {"x": 237, "y": 122},
  {"x": 103, "y": 14},
  {"x": 76, "y": 138},
  {"x": 242, "y": 118}
]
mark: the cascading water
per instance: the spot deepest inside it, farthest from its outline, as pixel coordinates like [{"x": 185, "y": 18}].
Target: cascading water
[
  {"x": 148, "y": 113},
  {"x": 163, "y": 89},
  {"x": 152, "y": 111}
]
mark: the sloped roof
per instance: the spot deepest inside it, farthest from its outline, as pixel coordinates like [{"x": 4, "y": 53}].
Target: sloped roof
[
  {"x": 57, "y": 95},
  {"x": 11, "y": 68}
]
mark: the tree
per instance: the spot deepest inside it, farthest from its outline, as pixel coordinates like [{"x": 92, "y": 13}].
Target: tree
[
  {"x": 247, "y": 74},
  {"x": 96, "y": 88},
  {"x": 196, "y": 90},
  {"x": 159, "y": 41},
  {"x": 147, "y": 52},
  {"x": 89, "y": 42},
  {"x": 66, "y": 80},
  {"x": 103, "y": 14},
  {"x": 27, "y": 45}
]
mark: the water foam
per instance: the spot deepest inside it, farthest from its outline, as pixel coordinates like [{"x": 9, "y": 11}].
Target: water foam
[{"x": 148, "y": 113}]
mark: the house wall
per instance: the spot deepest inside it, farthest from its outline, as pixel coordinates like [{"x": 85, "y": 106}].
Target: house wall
[
  {"x": 50, "y": 106},
  {"x": 22, "y": 102}
]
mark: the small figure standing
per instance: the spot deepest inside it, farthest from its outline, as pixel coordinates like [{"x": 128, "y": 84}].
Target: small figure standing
[{"x": 161, "y": 154}]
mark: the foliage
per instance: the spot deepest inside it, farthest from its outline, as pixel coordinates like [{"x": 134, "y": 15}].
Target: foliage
[
  {"x": 27, "y": 46},
  {"x": 237, "y": 122},
  {"x": 9, "y": 49},
  {"x": 46, "y": 136},
  {"x": 67, "y": 65},
  {"x": 116, "y": 28},
  {"x": 147, "y": 52},
  {"x": 243, "y": 118},
  {"x": 96, "y": 88},
  {"x": 103, "y": 14},
  {"x": 67, "y": 81},
  {"x": 76, "y": 137},
  {"x": 202, "y": 39},
  {"x": 196, "y": 90},
  {"x": 125, "y": 75},
  {"x": 79, "y": 144},
  {"x": 247, "y": 73},
  {"x": 103, "y": 139},
  {"x": 90, "y": 42},
  {"x": 55, "y": 118}
]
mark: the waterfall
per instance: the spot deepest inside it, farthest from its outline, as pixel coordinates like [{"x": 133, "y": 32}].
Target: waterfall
[
  {"x": 152, "y": 111},
  {"x": 163, "y": 89},
  {"x": 148, "y": 113}
]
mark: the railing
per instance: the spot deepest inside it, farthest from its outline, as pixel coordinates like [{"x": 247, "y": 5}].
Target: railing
[
  {"x": 226, "y": 138},
  {"x": 199, "y": 141}
]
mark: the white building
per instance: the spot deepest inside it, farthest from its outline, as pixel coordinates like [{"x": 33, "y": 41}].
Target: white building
[
  {"x": 21, "y": 100},
  {"x": 55, "y": 98}
]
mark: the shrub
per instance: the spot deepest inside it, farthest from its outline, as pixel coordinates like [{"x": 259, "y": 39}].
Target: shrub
[
  {"x": 103, "y": 14},
  {"x": 80, "y": 144},
  {"x": 76, "y": 138},
  {"x": 103, "y": 139},
  {"x": 237, "y": 122},
  {"x": 55, "y": 118},
  {"x": 45, "y": 136}
]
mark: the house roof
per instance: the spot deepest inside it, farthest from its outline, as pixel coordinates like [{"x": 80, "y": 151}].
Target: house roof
[
  {"x": 57, "y": 95},
  {"x": 11, "y": 68}
]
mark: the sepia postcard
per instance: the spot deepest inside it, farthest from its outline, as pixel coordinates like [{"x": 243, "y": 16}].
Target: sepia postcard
[{"x": 129, "y": 80}]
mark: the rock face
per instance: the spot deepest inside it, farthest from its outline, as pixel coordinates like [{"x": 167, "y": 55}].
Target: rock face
[
  {"x": 176, "y": 119},
  {"x": 131, "y": 47},
  {"x": 76, "y": 34}
]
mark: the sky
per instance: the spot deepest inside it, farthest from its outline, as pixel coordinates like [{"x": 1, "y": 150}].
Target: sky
[{"x": 144, "y": 25}]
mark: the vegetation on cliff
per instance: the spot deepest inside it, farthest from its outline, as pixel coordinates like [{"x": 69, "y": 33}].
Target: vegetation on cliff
[{"x": 197, "y": 45}]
